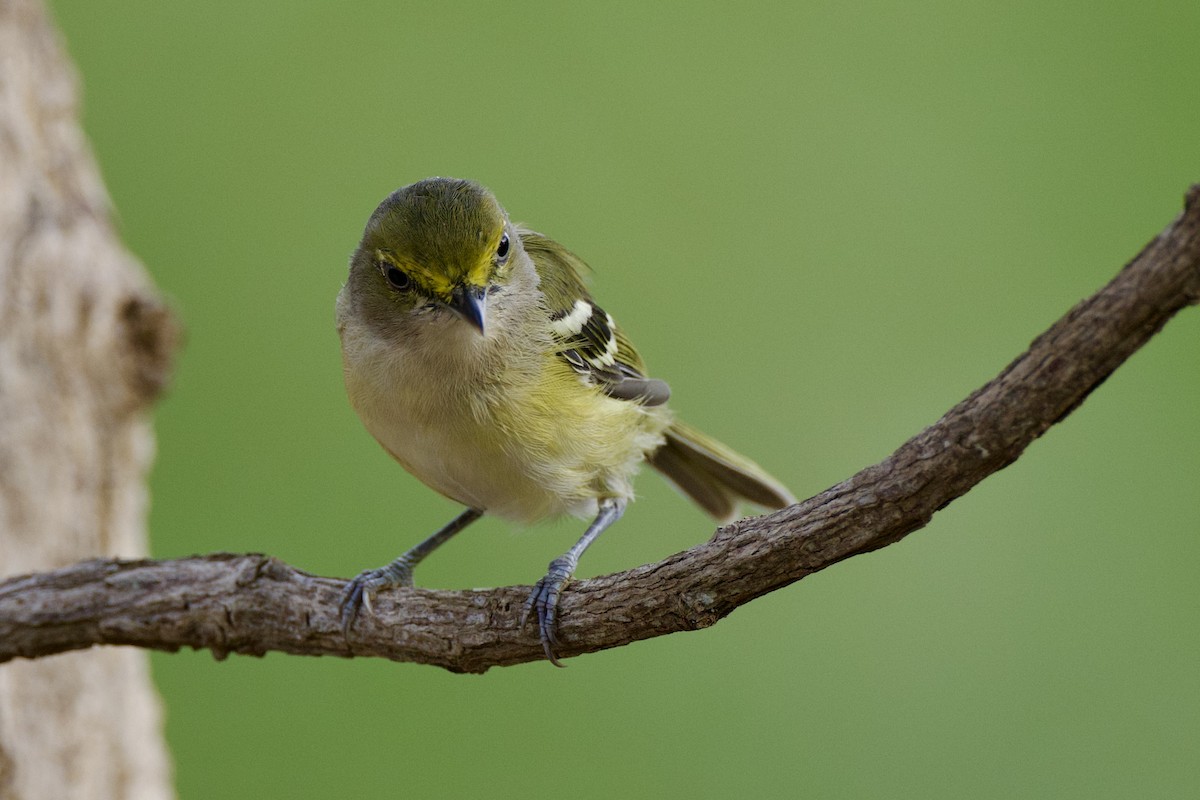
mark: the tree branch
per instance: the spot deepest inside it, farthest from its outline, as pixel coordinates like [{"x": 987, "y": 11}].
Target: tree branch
[{"x": 253, "y": 604}]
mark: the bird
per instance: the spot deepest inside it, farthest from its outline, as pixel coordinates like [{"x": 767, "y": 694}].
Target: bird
[{"x": 474, "y": 353}]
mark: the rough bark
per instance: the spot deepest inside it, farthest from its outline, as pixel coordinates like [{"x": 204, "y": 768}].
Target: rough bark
[
  {"x": 252, "y": 603},
  {"x": 84, "y": 349}
]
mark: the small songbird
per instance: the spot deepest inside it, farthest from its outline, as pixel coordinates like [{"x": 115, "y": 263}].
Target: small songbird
[{"x": 475, "y": 355}]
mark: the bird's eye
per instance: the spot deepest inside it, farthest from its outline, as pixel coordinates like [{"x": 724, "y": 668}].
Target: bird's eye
[
  {"x": 397, "y": 278},
  {"x": 502, "y": 249}
]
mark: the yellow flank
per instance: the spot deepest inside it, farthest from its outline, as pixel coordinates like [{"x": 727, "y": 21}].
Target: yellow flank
[{"x": 576, "y": 443}]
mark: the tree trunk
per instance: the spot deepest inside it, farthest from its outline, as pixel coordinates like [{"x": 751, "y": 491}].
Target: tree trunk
[{"x": 85, "y": 346}]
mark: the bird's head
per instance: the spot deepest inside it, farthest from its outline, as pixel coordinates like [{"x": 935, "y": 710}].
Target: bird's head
[{"x": 433, "y": 246}]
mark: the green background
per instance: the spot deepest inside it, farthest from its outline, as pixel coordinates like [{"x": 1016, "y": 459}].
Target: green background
[{"x": 824, "y": 224}]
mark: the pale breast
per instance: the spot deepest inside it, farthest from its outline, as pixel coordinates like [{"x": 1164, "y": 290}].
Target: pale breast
[{"x": 521, "y": 437}]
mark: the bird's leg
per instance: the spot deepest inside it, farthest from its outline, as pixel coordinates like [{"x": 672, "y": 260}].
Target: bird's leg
[
  {"x": 362, "y": 589},
  {"x": 544, "y": 597}
]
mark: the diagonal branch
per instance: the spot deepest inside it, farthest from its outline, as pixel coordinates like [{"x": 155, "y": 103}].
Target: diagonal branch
[{"x": 253, "y": 603}]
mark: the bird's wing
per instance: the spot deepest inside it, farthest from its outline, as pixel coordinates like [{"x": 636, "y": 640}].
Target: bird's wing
[{"x": 589, "y": 340}]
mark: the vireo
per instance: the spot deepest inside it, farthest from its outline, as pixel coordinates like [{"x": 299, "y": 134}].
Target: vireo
[{"x": 475, "y": 355}]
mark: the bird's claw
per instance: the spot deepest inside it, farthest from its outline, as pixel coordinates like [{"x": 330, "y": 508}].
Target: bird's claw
[
  {"x": 361, "y": 591},
  {"x": 544, "y": 601}
]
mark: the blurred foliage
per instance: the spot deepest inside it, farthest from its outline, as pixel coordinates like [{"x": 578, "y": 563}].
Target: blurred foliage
[{"x": 824, "y": 224}]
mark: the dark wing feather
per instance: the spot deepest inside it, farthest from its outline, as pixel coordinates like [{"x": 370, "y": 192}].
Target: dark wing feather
[{"x": 589, "y": 340}]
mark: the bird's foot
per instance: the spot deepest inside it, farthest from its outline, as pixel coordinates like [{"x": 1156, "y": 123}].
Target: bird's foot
[
  {"x": 544, "y": 601},
  {"x": 361, "y": 591}
]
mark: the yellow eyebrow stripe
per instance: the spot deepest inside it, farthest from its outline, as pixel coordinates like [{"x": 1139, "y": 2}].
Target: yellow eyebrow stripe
[
  {"x": 434, "y": 283},
  {"x": 440, "y": 282},
  {"x": 481, "y": 273}
]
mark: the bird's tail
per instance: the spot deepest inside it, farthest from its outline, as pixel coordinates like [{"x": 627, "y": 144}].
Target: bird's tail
[{"x": 714, "y": 476}]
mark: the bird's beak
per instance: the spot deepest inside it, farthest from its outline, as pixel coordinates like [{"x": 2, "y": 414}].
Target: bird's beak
[{"x": 470, "y": 303}]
